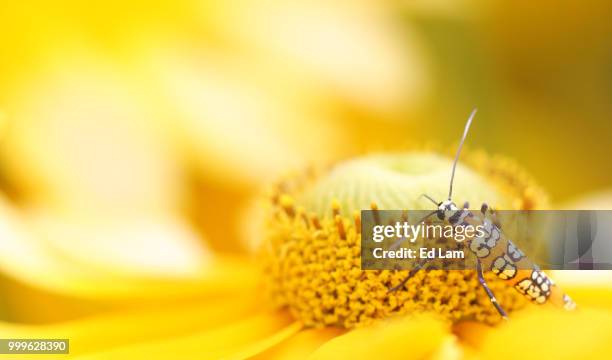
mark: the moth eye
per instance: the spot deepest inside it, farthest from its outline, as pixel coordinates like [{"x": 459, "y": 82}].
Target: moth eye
[{"x": 440, "y": 214}]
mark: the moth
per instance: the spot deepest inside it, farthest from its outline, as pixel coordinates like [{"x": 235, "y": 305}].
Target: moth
[{"x": 493, "y": 250}]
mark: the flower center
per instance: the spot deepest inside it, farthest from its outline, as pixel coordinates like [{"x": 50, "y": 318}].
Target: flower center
[{"x": 311, "y": 255}]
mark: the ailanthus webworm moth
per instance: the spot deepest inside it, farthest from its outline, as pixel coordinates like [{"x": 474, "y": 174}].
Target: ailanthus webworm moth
[{"x": 494, "y": 251}]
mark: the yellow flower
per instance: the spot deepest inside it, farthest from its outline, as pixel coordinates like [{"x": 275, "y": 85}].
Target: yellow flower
[
  {"x": 329, "y": 308},
  {"x": 312, "y": 253},
  {"x": 131, "y": 135}
]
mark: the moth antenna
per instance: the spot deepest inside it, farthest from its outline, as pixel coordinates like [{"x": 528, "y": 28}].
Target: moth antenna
[
  {"x": 429, "y": 198},
  {"x": 465, "y": 132}
]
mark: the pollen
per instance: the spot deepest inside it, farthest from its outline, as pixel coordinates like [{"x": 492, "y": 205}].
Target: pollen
[{"x": 311, "y": 251}]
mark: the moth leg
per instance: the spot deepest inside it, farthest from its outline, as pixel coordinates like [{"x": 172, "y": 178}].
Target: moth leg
[
  {"x": 492, "y": 297},
  {"x": 412, "y": 272},
  {"x": 485, "y": 208},
  {"x": 466, "y": 205}
]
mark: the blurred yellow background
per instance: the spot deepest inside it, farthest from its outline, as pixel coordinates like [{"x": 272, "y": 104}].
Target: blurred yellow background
[{"x": 135, "y": 137}]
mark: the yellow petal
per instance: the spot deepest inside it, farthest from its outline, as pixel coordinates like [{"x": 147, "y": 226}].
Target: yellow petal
[
  {"x": 250, "y": 350},
  {"x": 236, "y": 126},
  {"x": 211, "y": 344},
  {"x": 106, "y": 331},
  {"x": 225, "y": 276},
  {"x": 472, "y": 334},
  {"x": 407, "y": 337},
  {"x": 353, "y": 49},
  {"x": 43, "y": 284},
  {"x": 301, "y": 345},
  {"x": 163, "y": 246},
  {"x": 544, "y": 333},
  {"x": 30, "y": 260},
  {"x": 90, "y": 270},
  {"x": 448, "y": 350},
  {"x": 592, "y": 288},
  {"x": 591, "y": 296},
  {"x": 81, "y": 137}
]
